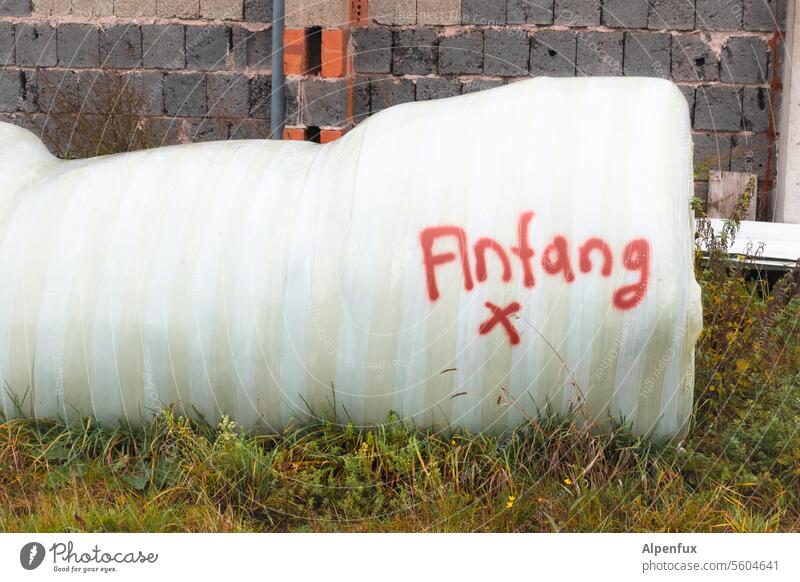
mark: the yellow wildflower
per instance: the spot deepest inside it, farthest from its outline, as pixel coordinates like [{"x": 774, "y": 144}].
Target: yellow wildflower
[
  {"x": 567, "y": 481},
  {"x": 742, "y": 365},
  {"x": 453, "y": 442}
]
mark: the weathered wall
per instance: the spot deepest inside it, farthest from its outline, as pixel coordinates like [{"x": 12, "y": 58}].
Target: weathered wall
[
  {"x": 205, "y": 64},
  {"x": 724, "y": 54}
]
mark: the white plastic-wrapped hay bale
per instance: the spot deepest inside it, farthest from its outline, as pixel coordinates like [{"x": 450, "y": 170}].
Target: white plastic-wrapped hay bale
[{"x": 532, "y": 243}]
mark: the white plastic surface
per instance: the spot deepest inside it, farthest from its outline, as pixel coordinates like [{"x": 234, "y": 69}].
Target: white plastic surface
[{"x": 270, "y": 279}]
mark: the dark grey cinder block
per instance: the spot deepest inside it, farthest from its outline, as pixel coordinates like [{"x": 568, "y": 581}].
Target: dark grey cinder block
[
  {"x": 529, "y": 11},
  {"x": 756, "y": 109},
  {"x": 150, "y": 85},
  {"x": 10, "y": 90},
  {"x": 36, "y": 45},
  {"x": 483, "y": 12},
  {"x": 386, "y": 93},
  {"x": 647, "y": 54},
  {"x": 59, "y": 90},
  {"x": 185, "y": 94},
  {"x": 749, "y": 153},
  {"x": 553, "y": 53},
  {"x": 227, "y": 95},
  {"x": 325, "y": 102},
  {"x": 744, "y": 60},
  {"x": 671, "y": 15},
  {"x": 625, "y": 13},
  {"x": 719, "y": 15},
  {"x": 78, "y": 45},
  {"x": 163, "y": 46},
  {"x": 361, "y": 98},
  {"x": 600, "y": 53},
  {"x": 292, "y": 88},
  {"x": 121, "y": 47},
  {"x": 765, "y": 15},
  {"x": 688, "y": 92},
  {"x": 506, "y": 52},
  {"x": 373, "y": 50},
  {"x": 207, "y": 47},
  {"x": 258, "y": 10},
  {"x": 577, "y": 12},
  {"x": 476, "y": 85},
  {"x": 718, "y": 108},
  {"x": 29, "y": 97},
  {"x": 248, "y": 129},
  {"x": 429, "y": 88},
  {"x": 711, "y": 152},
  {"x": 414, "y": 52},
  {"x": 461, "y": 54},
  {"x": 252, "y": 48},
  {"x": 15, "y": 7},
  {"x": 205, "y": 129},
  {"x": 259, "y": 96},
  {"x": 167, "y": 131},
  {"x": 693, "y": 59},
  {"x": 7, "y": 42}
]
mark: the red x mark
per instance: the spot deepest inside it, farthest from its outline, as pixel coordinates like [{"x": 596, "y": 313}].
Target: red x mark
[{"x": 501, "y": 316}]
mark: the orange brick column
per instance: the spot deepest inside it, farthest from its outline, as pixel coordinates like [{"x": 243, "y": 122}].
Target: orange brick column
[
  {"x": 295, "y": 51},
  {"x": 334, "y": 52},
  {"x": 329, "y": 135},
  {"x": 294, "y": 133},
  {"x": 335, "y": 63}
]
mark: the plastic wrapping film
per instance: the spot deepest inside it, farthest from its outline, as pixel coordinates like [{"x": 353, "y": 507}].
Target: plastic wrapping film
[{"x": 468, "y": 262}]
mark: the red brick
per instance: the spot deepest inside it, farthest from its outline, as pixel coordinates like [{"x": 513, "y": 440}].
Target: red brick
[
  {"x": 295, "y": 51},
  {"x": 294, "y": 133},
  {"x": 334, "y": 52},
  {"x": 358, "y": 13},
  {"x": 329, "y": 135}
]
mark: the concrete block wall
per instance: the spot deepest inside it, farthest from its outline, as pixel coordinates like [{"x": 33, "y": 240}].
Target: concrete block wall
[
  {"x": 724, "y": 54},
  {"x": 204, "y": 66}
]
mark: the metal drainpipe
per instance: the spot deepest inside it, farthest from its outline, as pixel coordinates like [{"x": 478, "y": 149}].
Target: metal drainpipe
[{"x": 278, "y": 99}]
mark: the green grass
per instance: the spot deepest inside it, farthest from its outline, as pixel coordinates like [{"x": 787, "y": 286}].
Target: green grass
[
  {"x": 738, "y": 471},
  {"x": 177, "y": 475}
]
